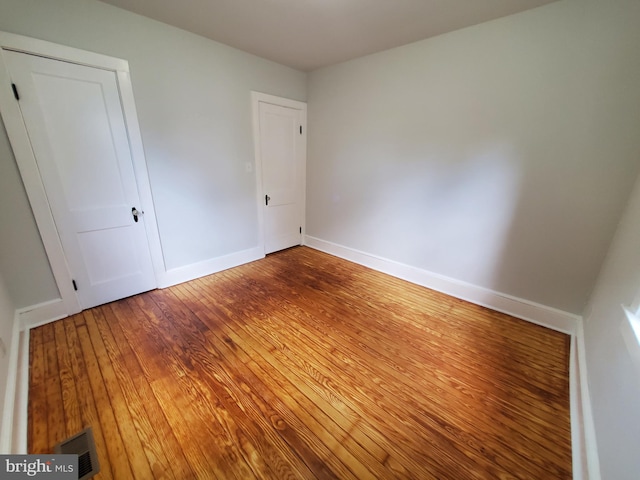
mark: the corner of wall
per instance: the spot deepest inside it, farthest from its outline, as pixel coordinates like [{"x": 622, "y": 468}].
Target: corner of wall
[
  {"x": 190, "y": 272},
  {"x": 45, "y": 312},
  {"x": 539, "y": 314}
]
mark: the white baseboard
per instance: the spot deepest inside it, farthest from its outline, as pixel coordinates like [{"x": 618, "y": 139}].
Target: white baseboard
[
  {"x": 42, "y": 313},
  {"x": 13, "y": 437},
  {"x": 533, "y": 312},
  {"x": 578, "y": 452},
  {"x": 207, "y": 267},
  {"x": 20, "y": 409},
  {"x": 9, "y": 406},
  {"x": 46, "y": 312},
  {"x": 583, "y": 439},
  {"x": 586, "y": 463}
]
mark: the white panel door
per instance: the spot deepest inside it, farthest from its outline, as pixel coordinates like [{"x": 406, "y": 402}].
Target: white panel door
[
  {"x": 282, "y": 154},
  {"x": 73, "y": 115}
]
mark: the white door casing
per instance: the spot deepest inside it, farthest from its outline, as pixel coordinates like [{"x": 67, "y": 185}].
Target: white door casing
[
  {"x": 77, "y": 144},
  {"x": 280, "y": 140}
]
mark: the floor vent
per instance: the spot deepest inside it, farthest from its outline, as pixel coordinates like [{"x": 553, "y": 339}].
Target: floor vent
[{"x": 84, "y": 446}]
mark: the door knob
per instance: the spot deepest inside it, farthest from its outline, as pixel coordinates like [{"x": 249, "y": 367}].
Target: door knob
[{"x": 135, "y": 212}]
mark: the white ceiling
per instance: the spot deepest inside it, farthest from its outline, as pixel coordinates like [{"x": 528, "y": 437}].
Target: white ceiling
[{"x": 308, "y": 34}]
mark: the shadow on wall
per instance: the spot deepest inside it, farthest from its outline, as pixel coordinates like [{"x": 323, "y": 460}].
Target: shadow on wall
[
  {"x": 514, "y": 218},
  {"x": 446, "y": 215},
  {"x": 23, "y": 260}
]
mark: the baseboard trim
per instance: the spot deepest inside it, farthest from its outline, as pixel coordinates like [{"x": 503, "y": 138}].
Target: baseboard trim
[
  {"x": 586, "y": 463},
  {"x": 21, "y": 407},
  {"x": 208, "y": 267},
  {"x": 9, "y": 406},
  {"x": 42, "y": 313},
  {"x": 13, "y": 437},
  {"x": 578, "y": 452},
  {"x": 583, "y": 439},
  {"x": 533, "y": 312}
]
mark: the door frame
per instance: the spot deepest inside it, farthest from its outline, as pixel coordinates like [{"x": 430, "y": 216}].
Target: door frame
[
  {"x": 256, "y": 99},
  {"x": 27, "y": 165}
]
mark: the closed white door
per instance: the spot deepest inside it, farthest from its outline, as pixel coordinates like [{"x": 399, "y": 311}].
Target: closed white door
[
  {"x": 282, "y": 151},
  {"x": 74, "y": 118}
]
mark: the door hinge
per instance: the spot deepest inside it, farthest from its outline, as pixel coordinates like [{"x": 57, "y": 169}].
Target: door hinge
[
  {"x": 300, "y": 129},
  {"x": 75, "y": 286},
  {"x": 15, "y": 91}
]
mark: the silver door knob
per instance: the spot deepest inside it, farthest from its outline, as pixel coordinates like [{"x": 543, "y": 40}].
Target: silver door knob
[{"x": 136, "y": 213}]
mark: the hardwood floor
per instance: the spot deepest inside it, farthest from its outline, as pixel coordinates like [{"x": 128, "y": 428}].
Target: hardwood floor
[{"x": 303, "y": 365}]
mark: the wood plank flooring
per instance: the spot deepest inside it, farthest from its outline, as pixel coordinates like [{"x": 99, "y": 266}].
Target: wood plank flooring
[{"x": 303, "y": 365}]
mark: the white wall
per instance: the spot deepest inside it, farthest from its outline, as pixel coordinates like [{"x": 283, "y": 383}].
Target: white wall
[
  {"x": 501, "y": 155},
  {"x": 7, "y": 315},
  {"x": 194, "y": 108},
  {"x": 614, "y": 383},
  {"x": 22, "y": 255}
]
